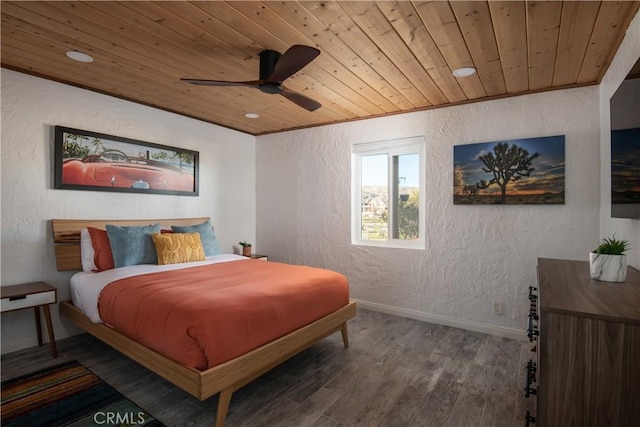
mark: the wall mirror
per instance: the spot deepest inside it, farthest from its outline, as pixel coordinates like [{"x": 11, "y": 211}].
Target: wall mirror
[{"x": 625, "y": 147}]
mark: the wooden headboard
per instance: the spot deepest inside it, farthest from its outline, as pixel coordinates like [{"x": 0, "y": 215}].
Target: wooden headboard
[{"x": 66, "y": 235}]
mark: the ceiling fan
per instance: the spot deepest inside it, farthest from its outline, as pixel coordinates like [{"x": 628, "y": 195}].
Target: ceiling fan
[{"x": 275, "y": 68}]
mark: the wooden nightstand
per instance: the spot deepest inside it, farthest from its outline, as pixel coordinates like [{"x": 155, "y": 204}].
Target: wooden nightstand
[
  {"x": 36, "y": 295},
  {"x": 260, "y": 257}
]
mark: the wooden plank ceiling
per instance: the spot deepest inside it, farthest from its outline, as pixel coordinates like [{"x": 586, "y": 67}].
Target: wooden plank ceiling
[{"x": 377, "y": 58}]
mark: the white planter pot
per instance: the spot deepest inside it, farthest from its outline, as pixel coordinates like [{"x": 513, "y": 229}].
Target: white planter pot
[{"x": 608, "y": 268}]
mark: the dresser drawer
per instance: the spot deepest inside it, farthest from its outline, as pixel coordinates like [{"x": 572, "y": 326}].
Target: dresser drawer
[{"x": 31, "y": 300}]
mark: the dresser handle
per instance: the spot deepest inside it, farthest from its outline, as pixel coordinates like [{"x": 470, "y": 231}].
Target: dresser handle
[
  {"x": 528, "y": 418},
  {"x": 528, "y": 392},
  {"x": 531, "y": 371},
  {"x": 531, "y": 378},
  {"x": 532, "y": 330},
  {"x": 533, "y": 304}
]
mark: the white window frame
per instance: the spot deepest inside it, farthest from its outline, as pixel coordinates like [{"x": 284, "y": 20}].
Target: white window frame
[{"x": 393, "y": 147}]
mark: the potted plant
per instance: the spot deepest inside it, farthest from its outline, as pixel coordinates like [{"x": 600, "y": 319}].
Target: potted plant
[
  {"x": 608, "y": 262},
  {"x": 246, "y": 248}
]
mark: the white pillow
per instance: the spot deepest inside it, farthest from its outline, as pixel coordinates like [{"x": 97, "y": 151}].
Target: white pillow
[{"x": 86, "y": 251}]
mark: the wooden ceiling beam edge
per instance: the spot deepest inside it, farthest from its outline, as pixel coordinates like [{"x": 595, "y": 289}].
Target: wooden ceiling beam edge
[
  {"x": 437, "y": 107},
  {"x": 124, "y": 98},
  {"x": 105, "y": 91},
  {"x": 469, "y": 101}
]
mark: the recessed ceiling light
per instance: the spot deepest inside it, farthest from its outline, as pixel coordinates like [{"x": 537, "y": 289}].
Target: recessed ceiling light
[
  {"x": 251, "y": 115},
  {"x": 79, "y": 56},
  {"x": 464, "y": 72}
]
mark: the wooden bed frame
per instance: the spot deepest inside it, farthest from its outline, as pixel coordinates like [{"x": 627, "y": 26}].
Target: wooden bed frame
[{"x": 224, "y": 378}]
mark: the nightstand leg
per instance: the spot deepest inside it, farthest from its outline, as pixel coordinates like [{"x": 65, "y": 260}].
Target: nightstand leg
[
  {"x": 52, "y": 340},
  {"x": 36, "y": 310}
]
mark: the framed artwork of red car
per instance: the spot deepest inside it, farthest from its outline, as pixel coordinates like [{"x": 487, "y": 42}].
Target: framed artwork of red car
[{"x": 94, "y": 161}]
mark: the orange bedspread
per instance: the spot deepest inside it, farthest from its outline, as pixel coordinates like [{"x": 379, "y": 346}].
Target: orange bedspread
[{"x": 203, "y": 316}]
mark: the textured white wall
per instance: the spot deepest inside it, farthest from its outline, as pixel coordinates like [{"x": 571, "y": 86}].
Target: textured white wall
[
  {"x": 30, "y": 108},
  {"x": 475, "y": 255},
  {"x": 627, "y": 55}
]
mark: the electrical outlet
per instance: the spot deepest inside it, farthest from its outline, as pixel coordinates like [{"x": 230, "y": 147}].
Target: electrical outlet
[{"x": 498, "y": 308}]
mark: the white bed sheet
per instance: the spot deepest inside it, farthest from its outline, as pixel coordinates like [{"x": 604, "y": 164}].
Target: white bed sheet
[{"x": 86, "y": 286}]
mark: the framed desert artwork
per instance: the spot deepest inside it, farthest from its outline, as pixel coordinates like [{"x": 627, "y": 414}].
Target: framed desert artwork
[
  {"x": 87, "y": 160},
  {"x": 518, "y": 171}
]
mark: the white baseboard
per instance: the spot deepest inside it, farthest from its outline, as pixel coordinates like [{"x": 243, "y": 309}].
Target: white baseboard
[
  {"x": 31, "y": 340},
  {"x": 444, "y": 320},
  {"x": 26, "y": 342}
]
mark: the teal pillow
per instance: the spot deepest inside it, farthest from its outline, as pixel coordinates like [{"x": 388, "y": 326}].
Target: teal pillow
[
  {"x": 207, "y": 236},
  {"x": 132, "y": 245}
]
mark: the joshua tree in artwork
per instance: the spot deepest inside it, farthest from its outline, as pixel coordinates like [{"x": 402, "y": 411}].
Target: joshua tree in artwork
[{"x": 507, "y": 165}]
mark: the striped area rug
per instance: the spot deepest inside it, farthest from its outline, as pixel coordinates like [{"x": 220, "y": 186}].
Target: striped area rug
[{"x": 67, "y": 395}]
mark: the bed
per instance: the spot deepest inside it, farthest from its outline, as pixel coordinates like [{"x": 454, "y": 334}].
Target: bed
[{"x": 224, "y": 377}]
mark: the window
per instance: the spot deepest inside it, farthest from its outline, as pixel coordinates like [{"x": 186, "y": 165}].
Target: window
[{"x": 388, "y": 193}]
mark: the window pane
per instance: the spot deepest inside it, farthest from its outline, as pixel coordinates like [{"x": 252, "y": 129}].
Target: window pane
[
  {"x": 387, "y": 190},
  {"x": 375, "y": 197},
  {"x": 408, "y": 197}
]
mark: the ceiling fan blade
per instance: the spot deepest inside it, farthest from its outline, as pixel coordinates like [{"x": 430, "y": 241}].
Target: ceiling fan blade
[
  {"x": 292, "y": 61},
  {"x": 254, "y": 83},
  {"x": 303, "y": 101}
]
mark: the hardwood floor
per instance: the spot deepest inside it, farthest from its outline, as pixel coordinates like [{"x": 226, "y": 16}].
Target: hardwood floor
[{"x": 397, "y": 372}]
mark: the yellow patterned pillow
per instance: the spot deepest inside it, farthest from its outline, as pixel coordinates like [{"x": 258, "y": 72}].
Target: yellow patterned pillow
[{"x": 175, "y": 248}]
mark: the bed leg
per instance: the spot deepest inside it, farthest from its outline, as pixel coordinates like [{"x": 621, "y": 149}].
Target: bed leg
[
  {"x": 345, "y": 335},
  {"x": 224, "y": 399}
]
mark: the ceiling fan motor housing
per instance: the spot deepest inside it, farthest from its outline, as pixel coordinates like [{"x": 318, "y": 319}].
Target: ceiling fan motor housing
[
  {"x": 268, "y": 61},
  {"x": 271, "y": 87}
]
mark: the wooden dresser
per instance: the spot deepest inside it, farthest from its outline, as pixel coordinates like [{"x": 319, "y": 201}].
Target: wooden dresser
[{"x": 588, "y": 351}]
